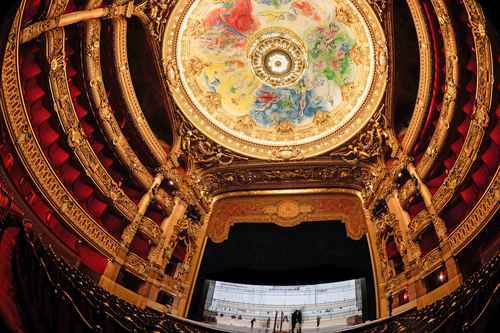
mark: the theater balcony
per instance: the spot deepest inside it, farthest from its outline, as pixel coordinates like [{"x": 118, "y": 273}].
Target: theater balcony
[{"x": 219, "y": 165}]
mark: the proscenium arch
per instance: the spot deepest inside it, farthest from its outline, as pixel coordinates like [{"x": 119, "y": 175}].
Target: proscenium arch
[{"x": 288, "y": 208}]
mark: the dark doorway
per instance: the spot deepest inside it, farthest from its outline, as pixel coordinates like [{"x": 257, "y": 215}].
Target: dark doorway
[{"x": 267, "y": 254}]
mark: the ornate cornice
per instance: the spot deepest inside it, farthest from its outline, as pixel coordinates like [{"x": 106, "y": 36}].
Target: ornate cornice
[
  {"x": 425, "y": 76},
  {"x": 128, "y": 93},
  {"x": 450, "y": 91},
  {"x": 70, "y": 124},
  {"x": 279, "y": 175},
  {"x": 480, "y": 113},
  {"x": 33, "y": 157},
  {"x": 287, "y": 208},
  {"x": 105, "y": 115},
  {"x": 200, "y": 151},
  {"x": 478, "y": 218}
]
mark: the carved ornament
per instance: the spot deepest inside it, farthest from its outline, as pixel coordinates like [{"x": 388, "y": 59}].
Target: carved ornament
[{"x": 287, "y": 209}]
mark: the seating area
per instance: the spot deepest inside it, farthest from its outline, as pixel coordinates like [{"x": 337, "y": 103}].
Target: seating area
[{"x": 56, "y": 296}]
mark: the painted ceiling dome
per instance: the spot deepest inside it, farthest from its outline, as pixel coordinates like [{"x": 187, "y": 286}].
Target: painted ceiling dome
[{"x": 276, "y": 79}]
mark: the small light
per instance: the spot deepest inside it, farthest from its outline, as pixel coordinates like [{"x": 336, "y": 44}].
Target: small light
[{"x": 441, "y": 276}]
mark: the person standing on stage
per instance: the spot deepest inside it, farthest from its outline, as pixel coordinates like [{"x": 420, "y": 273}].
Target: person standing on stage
[
  {"x": 294, "y": 320},
  {"x": 299, "y": 321}
]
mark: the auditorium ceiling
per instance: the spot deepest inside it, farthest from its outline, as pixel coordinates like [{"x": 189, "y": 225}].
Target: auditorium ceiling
[{"x": 134, "y": 130}]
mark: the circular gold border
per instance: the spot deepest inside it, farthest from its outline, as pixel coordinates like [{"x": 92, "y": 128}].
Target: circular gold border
[{"x": 279, "y": 152}]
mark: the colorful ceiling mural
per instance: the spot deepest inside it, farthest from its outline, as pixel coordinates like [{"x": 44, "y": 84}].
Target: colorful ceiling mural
[{"x": 276, "y": 79}]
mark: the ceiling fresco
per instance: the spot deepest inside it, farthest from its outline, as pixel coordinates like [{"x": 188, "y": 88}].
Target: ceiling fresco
[{"x": 280, "y": 79}]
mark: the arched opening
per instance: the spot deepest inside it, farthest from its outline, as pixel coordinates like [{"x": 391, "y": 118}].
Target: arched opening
[{"x": 268, "y": 254}]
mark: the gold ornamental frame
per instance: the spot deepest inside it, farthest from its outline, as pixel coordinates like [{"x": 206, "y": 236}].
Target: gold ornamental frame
[{"x": 283, "y": 150}]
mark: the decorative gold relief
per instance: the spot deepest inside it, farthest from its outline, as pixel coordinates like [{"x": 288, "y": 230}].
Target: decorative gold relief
[
  {"x": 133, "y": 107},
  {"x": 105, "y": 115},
  {"x": 478, "y": 217},
  {"x": 286, "y": 208},
  {"x": 425, "y": 75},
  {"x": 225, "y": 180},
  {"x": 200, "y": 151},
  {"x": 448, "y": 105},
  {"x": 32, "y": 155},
  {"x": 482, "y": 105},
  {"x": 70, "y": 124},
  {"x": 288, "y": 212}
]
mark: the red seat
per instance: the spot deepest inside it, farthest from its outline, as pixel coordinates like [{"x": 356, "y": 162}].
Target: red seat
[
  {"x": 30, "y": 69},
  {"x": 454, "y": 215},
  {"x": 47, "y": 134},
  {"x": 469, "y": 195},
  {"x": 495, "y": 134},
  {"x": 415, "y": 208},
  {"x": 58, "y": 155},
  {"x": 468, "y": 107},
  {"x": 32, "y": 91},
  {"x": 96, "y": 145},
  {"x": 74, "y": 90},
  {"x": 80, "y": 110},
  {"x": 471, "y": 86},
  {"x": 464, "y": 127},
  {"x": 71, "y": 72},
  {"x": 112, "y": 223},
  {"x": 106, "y": 161},
  {"x": 490, "y": 157},
  {"x": 471, "y": 65},
  {"x": 96, "y": 206},
  {"x": 39, "y": 113},
  {"x": 82, "y": 190},
  {"x": 140, "y": 246},
  {"x": 449, "y": 162},
  {"x": 457, "y": 145},
  {"x": 69, "y": 174},
  {"x": 481, "y": 176},
  {"x": 87, "y": 128},
  {"x": 436, "y": 181}
]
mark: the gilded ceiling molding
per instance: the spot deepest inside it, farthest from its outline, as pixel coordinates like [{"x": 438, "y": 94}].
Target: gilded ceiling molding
[
  {"x": 68, "y": 120},
  {"x": 154, "y": 14},
  {"x": 304, "y": 174},
  {"x": 33, "y": 158},
  {"x": 201, "y": 152},
  {"x": 370, "y": 143},
  {"x": 450, "y": 93},
  {"x": 61, "y": 20},
  {"x": 425, "y": 76},
  {"x": 51, "y": 21},
  {"x": 480, "y": 113},
  {"x": 379, "y": 6},
  {"x": 105, "y": 115},
  {"x": 128, "y": 93},
  {"x": 287, "y": 208}
]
